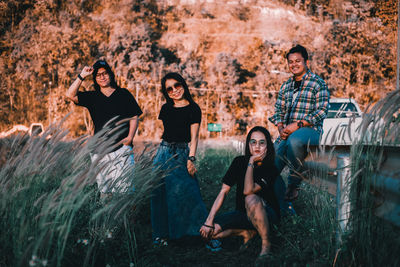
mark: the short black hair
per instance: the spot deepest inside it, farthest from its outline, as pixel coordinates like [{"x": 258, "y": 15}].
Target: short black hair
[{"x": 298, "y": 49}]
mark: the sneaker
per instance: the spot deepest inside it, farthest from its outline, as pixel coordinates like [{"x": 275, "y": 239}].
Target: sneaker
[
  {"x": 214, "y": 245},
  {"x": 160, "y": 242}
]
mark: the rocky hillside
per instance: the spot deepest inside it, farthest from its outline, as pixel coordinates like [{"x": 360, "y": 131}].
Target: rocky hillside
[{"x": 230, "y": 52}]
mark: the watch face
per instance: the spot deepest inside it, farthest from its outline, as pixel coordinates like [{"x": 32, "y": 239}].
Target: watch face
[{"x": 192, "y": 158}]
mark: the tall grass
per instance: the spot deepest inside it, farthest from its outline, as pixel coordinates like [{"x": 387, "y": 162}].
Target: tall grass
[
  {"x": 51, "y": 212},
  {"x": 371, "y": 241},
  {"x": 310, "y": 238},
  {"x": 50, "y": 209}
]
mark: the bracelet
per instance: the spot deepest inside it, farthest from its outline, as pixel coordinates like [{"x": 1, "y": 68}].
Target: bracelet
[
  {"x": 250, "y": 165},
  {"x": 209, "y": 226},
  {"x": 80, "y": 77}
]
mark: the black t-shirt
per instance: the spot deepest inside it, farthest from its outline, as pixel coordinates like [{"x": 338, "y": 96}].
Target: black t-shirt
[
  {"x": 177, "y": 121},
  {"x": 265, "y": 176},
  {"x": 120, "y": 104}
]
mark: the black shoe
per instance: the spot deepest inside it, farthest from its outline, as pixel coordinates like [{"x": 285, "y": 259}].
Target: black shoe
[{"x": 292, "y": 193}]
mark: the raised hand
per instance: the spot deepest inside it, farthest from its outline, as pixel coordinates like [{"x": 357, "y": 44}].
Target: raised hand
[{"x": 86, "y": 71}]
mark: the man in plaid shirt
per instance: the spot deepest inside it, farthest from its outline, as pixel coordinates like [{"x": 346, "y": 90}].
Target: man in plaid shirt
[{"x": 300, "y": 109}]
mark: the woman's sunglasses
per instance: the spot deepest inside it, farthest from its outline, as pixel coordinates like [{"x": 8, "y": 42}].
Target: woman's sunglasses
[{"x": 177, "y": 86}]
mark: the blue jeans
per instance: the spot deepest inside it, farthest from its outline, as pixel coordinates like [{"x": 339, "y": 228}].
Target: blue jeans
[
  {"x": 293, "y": 151},
  {"x": 177, "y": 209}
]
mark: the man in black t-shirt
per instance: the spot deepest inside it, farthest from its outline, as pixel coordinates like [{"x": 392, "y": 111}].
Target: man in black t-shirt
[{"x": 109, "y": 102}]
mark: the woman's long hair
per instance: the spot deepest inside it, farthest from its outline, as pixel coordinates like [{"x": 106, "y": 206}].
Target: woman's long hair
[
  {"x": 177, "y": 77},
  {"x": 103, "y": 64},
  {"x": 270, "y": 157}
]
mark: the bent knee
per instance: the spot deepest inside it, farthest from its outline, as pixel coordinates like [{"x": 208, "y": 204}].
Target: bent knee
[
  {"x": 295, "y": 142},
  {"x": 252, "y": 201}
]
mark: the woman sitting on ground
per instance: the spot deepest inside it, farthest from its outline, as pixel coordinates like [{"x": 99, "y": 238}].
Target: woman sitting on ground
[{"x": 254, "y": 174}]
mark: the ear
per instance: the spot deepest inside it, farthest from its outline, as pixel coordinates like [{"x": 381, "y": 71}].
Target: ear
[{"x": 307, "y": 63}]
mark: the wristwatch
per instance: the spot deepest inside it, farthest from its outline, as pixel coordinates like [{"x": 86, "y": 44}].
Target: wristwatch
[
  {"x": 300, "y": 124},
  {"x": 192, "y": 158}
]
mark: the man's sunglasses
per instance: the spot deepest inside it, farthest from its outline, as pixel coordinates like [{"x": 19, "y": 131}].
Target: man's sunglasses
[{"x": 177, "y": 86}]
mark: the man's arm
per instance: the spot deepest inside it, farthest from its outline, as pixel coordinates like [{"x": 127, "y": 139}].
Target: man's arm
[
  {"x": 279, "y": 114},
  {"x": 281, "y": 129},
  {"x": 322, "y": 105}
]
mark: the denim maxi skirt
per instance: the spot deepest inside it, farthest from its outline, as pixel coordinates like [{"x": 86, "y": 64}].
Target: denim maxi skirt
[{"x": 177, "y": 209}]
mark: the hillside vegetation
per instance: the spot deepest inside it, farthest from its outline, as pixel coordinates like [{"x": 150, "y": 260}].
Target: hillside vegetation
[{"x": 230, "y": 52}]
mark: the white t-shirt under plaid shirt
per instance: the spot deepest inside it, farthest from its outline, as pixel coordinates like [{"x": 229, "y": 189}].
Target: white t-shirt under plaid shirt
[{"x": 311, "y": 103}]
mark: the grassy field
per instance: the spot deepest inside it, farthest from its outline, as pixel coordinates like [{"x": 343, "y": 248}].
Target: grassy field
[{"x": 51, "y": 215}]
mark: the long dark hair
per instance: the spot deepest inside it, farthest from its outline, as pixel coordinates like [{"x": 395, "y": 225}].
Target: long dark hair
[
  {"x": 177, "y": 77},
  {"x": 103, "y": 64},
  {"x": 270, "y": 157}
]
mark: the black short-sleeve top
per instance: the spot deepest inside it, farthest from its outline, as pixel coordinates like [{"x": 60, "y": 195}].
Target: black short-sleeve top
[
  {"x": 177, "y": 121},
  {"x": 265, "y": 176},
  {"x": 120, "y": 104}
]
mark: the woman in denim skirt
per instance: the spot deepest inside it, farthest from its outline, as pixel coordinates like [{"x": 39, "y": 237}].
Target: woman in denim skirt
[{"x": 177, "y": 209}]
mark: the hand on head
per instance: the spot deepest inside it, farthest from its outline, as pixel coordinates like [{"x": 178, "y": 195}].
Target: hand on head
[{"x": 86, "y": 71}]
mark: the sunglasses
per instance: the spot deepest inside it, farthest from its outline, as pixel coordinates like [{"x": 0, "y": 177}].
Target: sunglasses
[{"x": 177, "y": 86}]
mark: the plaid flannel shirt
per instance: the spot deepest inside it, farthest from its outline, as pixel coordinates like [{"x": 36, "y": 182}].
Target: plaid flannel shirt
[{"x": 311, "y": 104}]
